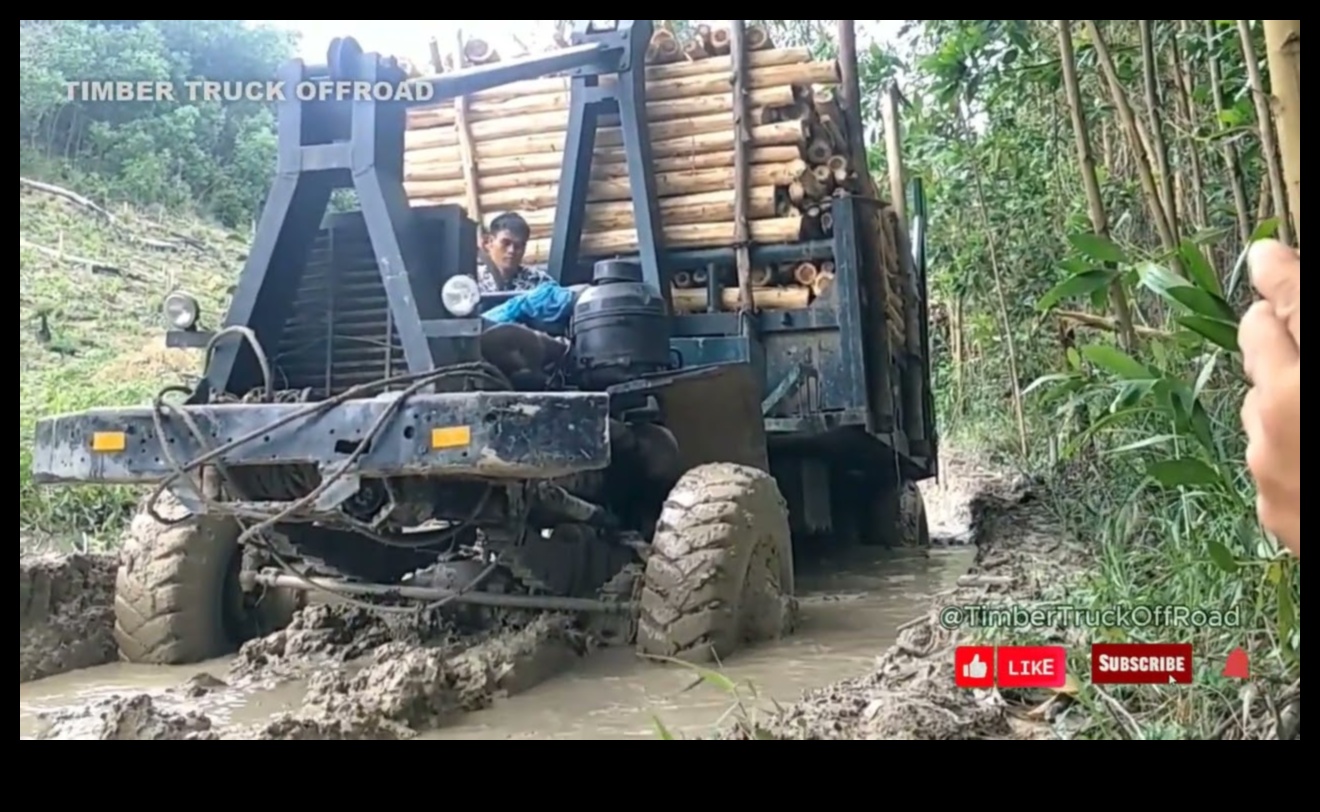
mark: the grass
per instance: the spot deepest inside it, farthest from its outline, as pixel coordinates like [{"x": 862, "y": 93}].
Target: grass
[{"x": 95, "y": 337}]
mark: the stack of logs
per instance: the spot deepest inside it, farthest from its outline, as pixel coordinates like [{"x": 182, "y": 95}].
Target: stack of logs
[{"x": 502, "y": 150}]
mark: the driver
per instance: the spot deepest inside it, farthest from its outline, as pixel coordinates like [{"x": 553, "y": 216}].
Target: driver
[{"x": 502, "y": 247}]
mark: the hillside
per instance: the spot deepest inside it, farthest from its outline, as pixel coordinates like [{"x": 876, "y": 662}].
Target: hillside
[{"x": 91, "y": 286}]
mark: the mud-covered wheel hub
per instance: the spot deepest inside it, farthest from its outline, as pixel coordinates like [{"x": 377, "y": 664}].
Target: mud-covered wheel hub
[{"x": 720, "y": 571}]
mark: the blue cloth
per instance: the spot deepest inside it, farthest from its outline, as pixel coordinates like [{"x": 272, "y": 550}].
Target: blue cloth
[{"x": 547, "y": 307}]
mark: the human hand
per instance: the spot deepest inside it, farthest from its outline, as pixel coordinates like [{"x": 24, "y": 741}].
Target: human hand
[{"x": 1270, "y": 335}]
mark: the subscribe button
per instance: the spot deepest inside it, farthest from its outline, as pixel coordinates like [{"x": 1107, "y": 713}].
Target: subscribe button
[{"x": 1141, "y": 663}]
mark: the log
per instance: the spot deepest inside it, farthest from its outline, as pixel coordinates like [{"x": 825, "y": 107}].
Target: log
[
  {"x": 609, "y": 146},
  {"x": 775, "y": 231},
  {"x": 720, "y": 42},
  {"x": 503, "y": 168},
  {"x": 703, "y": 37},
  {"x": 761, "y": 277},
  {"x": 702, "y": 207},
  {"x": 830, "y": 119},
  {"x": 822, "y": 283},
  {"x": 818, "y": 150},
  {"x": 514, "y": 115},
  {"x": 757, "y": 38},
  {"x": 693, "y": 300},
  {"x": 805, "y": 273},
  {"x": 668, "y": 184},
  {"x": 664, "y": 48},
  {"x": 437, "y": 61},
  {"x": 790, "y": 66},
  {"x": 545, "y": 132},
  {"x": 478, "y": 52},
  {"x": 838, "y": 166}
]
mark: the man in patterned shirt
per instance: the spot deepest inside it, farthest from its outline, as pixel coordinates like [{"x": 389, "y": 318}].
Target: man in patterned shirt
[{"x": 503, "y": 246}]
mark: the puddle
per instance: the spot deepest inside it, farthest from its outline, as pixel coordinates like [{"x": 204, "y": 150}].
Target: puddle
[
  {"x": 851, "y": 611},
  {"x": 849, "y": 617}
]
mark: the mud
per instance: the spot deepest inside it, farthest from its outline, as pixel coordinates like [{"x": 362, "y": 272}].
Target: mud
[
  {"x": 344, "y": 673},
  {"x": 910, "y": 693},
  {"x": 361, "y": 677},
  {"x": 65, "y": 613}
]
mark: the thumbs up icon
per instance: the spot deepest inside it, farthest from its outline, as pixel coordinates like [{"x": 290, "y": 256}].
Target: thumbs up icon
[
  {"x": 973, "y": 666},
  {"x": 976, "y": 669}
]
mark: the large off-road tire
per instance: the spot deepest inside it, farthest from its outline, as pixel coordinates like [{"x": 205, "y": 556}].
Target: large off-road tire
[
  {"x": 914, "y": 527},
  {"x": 899, "y": 519},
  {"x": 177, "y": 596},
  {"x": 720, "y": 570}
]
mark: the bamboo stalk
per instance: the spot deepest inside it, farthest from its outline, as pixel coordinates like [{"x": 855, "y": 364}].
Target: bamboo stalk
[{"x": 1283, "y": 50}]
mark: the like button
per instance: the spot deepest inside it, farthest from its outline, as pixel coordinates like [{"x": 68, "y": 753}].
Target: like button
[{"x": 973, "y": 666}]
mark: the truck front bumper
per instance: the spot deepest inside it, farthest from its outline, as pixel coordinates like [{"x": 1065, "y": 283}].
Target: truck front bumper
[{"x": 510, "y": 435}]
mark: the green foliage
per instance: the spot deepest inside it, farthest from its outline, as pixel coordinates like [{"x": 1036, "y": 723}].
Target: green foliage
[
  {"x": 211, "y": 155},
  {"x": 96, "y": 339},
  {"x": 1142, "y": 443}
]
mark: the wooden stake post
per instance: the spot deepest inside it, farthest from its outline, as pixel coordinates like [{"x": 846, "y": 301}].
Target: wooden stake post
[{"x": 741, "y": 145}]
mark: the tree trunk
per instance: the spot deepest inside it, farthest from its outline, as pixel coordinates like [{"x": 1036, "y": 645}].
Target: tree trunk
[
  {"x": 1283, "y": 44},
  {"x": 1186, "y": 96},
  {"x": 1150, "y": 80},
  {"x": 1001, "y": 299},
  {"x": 1268, "y": 144},
  {"x": 1132, "y": 126},
  {"x": 1095, "y": 203},
  {"x": 1229, "y": 147}
]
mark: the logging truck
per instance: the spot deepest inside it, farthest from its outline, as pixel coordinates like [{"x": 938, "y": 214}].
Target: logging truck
[{"x": 742, "y": 373}]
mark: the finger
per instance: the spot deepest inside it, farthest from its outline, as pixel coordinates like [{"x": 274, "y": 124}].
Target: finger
[
  {"x": 1266, "y": 343},
  {"x": 1276, "y": 273}
]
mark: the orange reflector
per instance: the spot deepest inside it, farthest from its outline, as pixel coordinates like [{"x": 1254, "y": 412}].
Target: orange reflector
[
  {"x": 109, "y": 441},
  {"x": 451, "y": 437}
]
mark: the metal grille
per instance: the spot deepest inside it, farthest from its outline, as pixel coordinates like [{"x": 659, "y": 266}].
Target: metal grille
[{"x": 339, "y": 332}]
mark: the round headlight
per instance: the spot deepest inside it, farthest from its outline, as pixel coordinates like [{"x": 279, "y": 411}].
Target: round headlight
[
  {"x": 461, "y": 295},
  {"x": 181, "y": 311}
]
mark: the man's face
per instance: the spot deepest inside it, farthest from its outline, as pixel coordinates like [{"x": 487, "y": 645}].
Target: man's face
[{"x": 506, "y": 251}]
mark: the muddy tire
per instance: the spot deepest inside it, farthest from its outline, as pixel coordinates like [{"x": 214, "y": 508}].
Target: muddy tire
[
  {"x": 914, "y": 528},
  {"x": 720, "y": 570},
  {"x": 177, "y": 598},
  {"x": 899, "y": 519}
]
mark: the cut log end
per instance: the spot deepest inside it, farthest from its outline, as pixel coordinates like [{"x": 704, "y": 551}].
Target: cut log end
[{"x": 478, "y": 52}]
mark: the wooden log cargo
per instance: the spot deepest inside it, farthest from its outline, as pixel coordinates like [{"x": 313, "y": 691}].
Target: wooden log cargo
[{"x": 501, "y": 150}]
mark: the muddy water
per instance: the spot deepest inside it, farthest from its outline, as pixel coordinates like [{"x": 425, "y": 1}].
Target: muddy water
[{"x": 851, "y": 610}]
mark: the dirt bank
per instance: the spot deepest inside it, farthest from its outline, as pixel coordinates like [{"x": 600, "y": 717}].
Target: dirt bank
[
  {"x": 1022, "y": 558},
  {"x": 65, "y": 613}
]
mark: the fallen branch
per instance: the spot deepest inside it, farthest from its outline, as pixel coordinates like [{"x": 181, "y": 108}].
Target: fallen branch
[
  {"x": 95, "y": 266},
  {"x": 101, "y": 211},
  {"x": 1102, "y": 323},
  {"x": 71, "y": 196}
]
